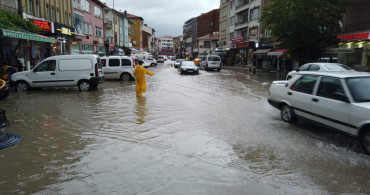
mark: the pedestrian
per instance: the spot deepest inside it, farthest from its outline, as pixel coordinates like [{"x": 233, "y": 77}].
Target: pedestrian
[
  {"x": 140, "y": 78},
  {"x": 186, "y": 58}
]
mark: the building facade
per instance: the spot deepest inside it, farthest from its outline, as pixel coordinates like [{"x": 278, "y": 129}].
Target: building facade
[
  {"x": 136, "y": 30},
  {"x": 354, "y": 46},
  {"x": 165, "y": 45},
  {"x": 224, "y": 23},
  {"x": 89, "y": 16},
  {"x": 148, "y": 39},
  {"x": 190, "y": 36}
]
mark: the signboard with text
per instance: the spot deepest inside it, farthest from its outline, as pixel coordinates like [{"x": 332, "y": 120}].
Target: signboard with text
[
  {"x": 43, "y": 25},
  {"x": 237, "y": 40}
]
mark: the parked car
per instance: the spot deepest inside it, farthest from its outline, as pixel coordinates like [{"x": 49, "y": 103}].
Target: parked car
[
  {"x": 319, "y": 67},
  {"x": 160, "y": 59},
  {"x": 340, "y": 100},
  {"x": 178, "y": 62},
  {"x": 84, "y": 71},
  {"x": 119, "y": 67},
  {"x": 188, "y": 67},
  {"x": 211, "y": 62},
  {"x": 152, "y": 61}
]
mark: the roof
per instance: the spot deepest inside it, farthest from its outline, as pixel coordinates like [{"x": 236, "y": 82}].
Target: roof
[
  {"x": 338, "y": 74},
  {"x": 133, "y": 16},
  {"x": 209, "y": 37}
]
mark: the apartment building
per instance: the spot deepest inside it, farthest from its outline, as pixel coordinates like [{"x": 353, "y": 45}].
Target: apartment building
[
  {"x": 148, "y": 38},
  {"x": 136, "y": 31},
  {"x": 89, "y": 22},
  {"x": 165, "y": 45}
]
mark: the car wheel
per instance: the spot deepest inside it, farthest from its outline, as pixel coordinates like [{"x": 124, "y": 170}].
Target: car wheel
[
  {"x": 125, "y": 77},
  {"x": 22, "y": 86},
  {"x": 365, "y": 141},
  {"x": 84, "y": 85},
  {"x": 289, "y": 77},
  {"x": 287, "y": 114}
]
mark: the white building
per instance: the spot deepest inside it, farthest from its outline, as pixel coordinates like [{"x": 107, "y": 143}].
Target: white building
[{"x": 165, "y": 45}]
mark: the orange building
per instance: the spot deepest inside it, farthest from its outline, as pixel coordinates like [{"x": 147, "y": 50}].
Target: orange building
[{"x": 136, "y": 30}]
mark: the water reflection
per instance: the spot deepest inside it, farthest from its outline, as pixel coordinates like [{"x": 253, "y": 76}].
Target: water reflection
[{"x": 141, "y": 110}]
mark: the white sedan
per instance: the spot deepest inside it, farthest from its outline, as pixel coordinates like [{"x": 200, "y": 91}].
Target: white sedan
[
  {"x": 340, "y": 100},
  {"x": 318, "y": 67}
]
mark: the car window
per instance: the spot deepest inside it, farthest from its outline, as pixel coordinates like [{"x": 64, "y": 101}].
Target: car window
[
  {"x": 113, "y": 62},
  {"x": 338, "y": 67},
  {"x": 126, "y": 62},
  {"x": 46, "y": 66},
  {"x": 359, "y": 88},
  {"x": 304, "y": 67},
  {"x": 100, "y": 63},
  {"x": 305, "y": 84},
  {"x": 329, "y": 86},
  {"x": 314, "y": 67},
  {"x": 214, "y": 58}
]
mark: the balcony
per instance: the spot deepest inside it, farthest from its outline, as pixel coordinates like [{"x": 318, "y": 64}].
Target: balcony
[
  {"x": 9, "y": 9},
  {"x": 243, "y": 5},
  {"x": 108, "y": 23},
  {"x": 241, "y": 24}
]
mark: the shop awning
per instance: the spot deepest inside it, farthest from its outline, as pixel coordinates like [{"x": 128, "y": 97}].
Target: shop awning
[
  {"x": 27, "y": 36},
  {"x": 261, "y": 51},
  {"x": 278, "y": 52}
]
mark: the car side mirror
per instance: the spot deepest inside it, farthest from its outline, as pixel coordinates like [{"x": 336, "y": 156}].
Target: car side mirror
[
  {"x": 341, "y": 97},
  {"x": 297, "y": 69}
]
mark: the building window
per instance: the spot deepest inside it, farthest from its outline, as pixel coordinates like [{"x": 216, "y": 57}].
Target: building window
[
  {"x": 37, "y": 9},
  {"x": 70, "y": 19},
  {"x": 97, "y": 12},
  {"x": 268, "y": 32},
  {"x": 245, "y": 35},
  {"x": 232, "y": 21},
  {"x": 87, "y": 28},
  {"x": 57, "y": 16},
  {"x": 85, "y": 5},
  {"x": 47, "y": 12},
  {"x": 255, "y": 13},
  {"x": 52, "y": 13},
  {"x": 207, "y": 44},
  {"x": 30, "y": 7},
  {"x": 98, "y": 32},
  {"x": 65, "y": 18},
  {"x": 75, "y": 4}
]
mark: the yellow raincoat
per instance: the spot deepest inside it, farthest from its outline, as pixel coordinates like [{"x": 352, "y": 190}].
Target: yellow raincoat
[{"x": 140, "y": 79}]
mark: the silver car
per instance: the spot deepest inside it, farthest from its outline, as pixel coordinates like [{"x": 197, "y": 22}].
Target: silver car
[
  {"x": 188, "y": 67},
  {"x": 319, "y": 67}
]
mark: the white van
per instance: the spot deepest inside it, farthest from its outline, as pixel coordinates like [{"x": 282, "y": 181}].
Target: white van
[
  {"x": 84, "y": 71},
  {"x": 145, "y": 58},
  {"x": 211, "y": 62},
  {"x": 119, "y": 67}
]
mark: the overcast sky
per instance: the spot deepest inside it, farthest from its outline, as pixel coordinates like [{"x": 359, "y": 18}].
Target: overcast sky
[{"x": 167, "y": 17}]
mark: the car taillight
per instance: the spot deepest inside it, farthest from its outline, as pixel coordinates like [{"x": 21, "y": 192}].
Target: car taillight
[
  {"x": 133, "y": 62},
  {"x": 96, "y": 70}
]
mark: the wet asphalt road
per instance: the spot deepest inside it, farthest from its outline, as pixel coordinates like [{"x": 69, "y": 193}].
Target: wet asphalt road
[{"x": 212, "y": 133}]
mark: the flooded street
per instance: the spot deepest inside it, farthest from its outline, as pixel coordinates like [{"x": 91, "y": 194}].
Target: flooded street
[{"x": 212, "y": 133}]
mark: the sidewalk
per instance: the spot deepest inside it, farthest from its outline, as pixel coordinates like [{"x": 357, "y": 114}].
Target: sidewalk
[{"x": 263, "y": 76}]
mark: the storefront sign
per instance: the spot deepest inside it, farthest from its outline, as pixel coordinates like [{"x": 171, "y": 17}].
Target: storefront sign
[
  {"x": 354, "y": 36},
  {"x": 243, "y": 45},
  {"x": 62, "y": 30},
  {"x": 43, "y": 25},
  {"x": 237, "y": 40}
]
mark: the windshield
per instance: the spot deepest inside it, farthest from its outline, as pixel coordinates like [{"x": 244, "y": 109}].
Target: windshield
[
  {"x": 179, "y": 60},
  {"x": 337, "y": 67},
  {"x": 214, "y": 58},
  {"x": 187, "y": 63},
  {"x": 360, "y": 88}
]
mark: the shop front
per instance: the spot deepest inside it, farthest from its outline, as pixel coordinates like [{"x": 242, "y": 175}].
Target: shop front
[
  {"x": 23, "y": 49},
  {"x": 64, "y": 36},
  {"x": 354, "y": 49},
  {"x": 260, "y": 58}
]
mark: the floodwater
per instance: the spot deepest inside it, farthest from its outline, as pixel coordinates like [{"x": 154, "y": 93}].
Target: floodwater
[{"x": 212, "y": 133}]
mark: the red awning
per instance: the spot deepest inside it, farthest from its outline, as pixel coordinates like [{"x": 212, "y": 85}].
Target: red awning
[{"x": 278, "y": 52}]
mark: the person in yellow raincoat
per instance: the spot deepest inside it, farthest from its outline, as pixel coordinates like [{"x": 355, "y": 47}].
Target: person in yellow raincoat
[{"x": 139, "y": 73}]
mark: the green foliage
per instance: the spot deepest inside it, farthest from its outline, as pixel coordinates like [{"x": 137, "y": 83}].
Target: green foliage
[
  {"x": 305, "y": 27},
  {"x": 16, "y": 22}
]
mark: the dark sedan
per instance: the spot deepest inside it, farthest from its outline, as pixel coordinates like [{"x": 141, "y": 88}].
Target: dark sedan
[{"x": 188, "y": 67}]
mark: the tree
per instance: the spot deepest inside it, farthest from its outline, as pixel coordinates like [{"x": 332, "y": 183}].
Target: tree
[
  {"x": 16, "y": 22},
  {"x": 304, "y": 27}
]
